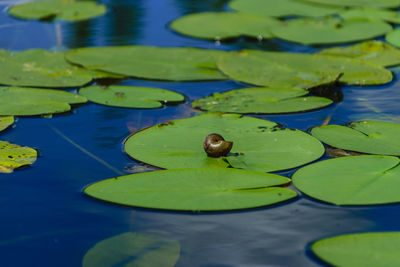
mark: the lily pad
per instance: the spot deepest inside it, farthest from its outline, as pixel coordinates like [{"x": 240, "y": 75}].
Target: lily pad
[
  {"x": 20, "y": 101},
  {"x": 130, "y": 96},
  {"x": 160, "y": 63},
  {"x": 374, "y": 137},
  {"x": 14, "y": 156},
  {"x": 364, "y": 249},
  {"x": 223, "y": 25},
  {"x": 359, "y": 3},
  {"x": 261, "y": 100},
  {"x": 296, "y": 70},
  {"x": 257, "y": 144},
  {"x": 393, "y": 38},
  {"x": 329, "y": 30},
  {"x": 5, "y": 122},
  {"x": 133, "y": 249},
  {"x": 282, "y": 8},
  {"x": 374, "y": 52},
  {"x": 68, "y": 10},
  {"x": 201, "y": 189},
  {"x": 371, "y": 13}
]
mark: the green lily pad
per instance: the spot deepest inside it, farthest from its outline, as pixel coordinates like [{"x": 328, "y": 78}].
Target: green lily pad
[
  {"x": 41, "y": 68},
  {"x": 393, "y": 38},
  {"x": 20, "y": 101},
  {"x": 359, "y": 3},
  {"x": 354, "y": 180},
  {"x": 371, "y": 13},
  {"x": 14, "y": 156},
  {"x": 161, "y": 63},
  {"x": 364, "y": 249},
  {"x": 329, "y": 30},
  {"x": 133, "y": 249},
  {"x": 5, "y": 122},
  {"x": 295, "y": 70},
  {"x": 223, "y": 25},
  {"x": 374, "y": 137},
  {"x": 373, "y": 52},
  {"x": 282, "y": 8},
  {"x": 130, "y": 96},
  {"x": 200, "y": 189},
  {"x": 69, "y": 10},
  {"x": 261, "y": 100},
  {"x": 257, "y": 144}
]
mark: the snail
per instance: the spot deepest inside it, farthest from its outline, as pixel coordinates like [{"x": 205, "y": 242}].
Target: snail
[{"x": 215, "y": 145}]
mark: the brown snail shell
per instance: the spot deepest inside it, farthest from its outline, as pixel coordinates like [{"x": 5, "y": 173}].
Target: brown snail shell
[{"x": 215, "y": 145}]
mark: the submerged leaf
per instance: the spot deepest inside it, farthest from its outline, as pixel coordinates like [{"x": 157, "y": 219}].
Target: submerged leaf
[
  {"x": 201, "y": 189},
  {"x": 261, "y": 100},
  {"x": 14, "y": 156},
  {"x": 359, "y": 3},
  {"x": 5, "y": 122}
]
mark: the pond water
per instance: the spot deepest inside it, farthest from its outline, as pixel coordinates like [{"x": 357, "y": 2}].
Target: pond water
[{"x": 48, "y": 221}]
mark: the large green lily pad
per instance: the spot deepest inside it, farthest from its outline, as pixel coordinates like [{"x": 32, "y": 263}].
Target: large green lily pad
[
  {"x": 222, "y": 25},
  {"x": 257, "y": 144},
  {"x": 130, "y": 96},
  {"x": 161, "y": 63},
  {"x": 354, "y": 180},
  {"x": 261, "y": 100},
  {"x": 374, "y": 52},
  {"x": 14, "y": 156},
  {"x": 69, "y": 10},
  {"x": 282, "y": 8},
  {"x": 290, "y": 70},
  {"x": 359, "y": 3},
  {"x": 329, "y": 30},
  {"x": 133, "y": 249},
  {"x": 41, "y": 68},
  {"x": 372, "y": 13},
  {"x": 393, "y": 38},
  {"x": 374, "y": 137},
  {"x": 5, "y": 122},
  {"x": 20, "y": 101},
  {"x": 364, "y": 249},
  {"x": 200, "y": 189}
]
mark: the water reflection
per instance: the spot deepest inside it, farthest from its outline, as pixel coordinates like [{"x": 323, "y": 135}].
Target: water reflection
[{"x": 193, "y": 6}]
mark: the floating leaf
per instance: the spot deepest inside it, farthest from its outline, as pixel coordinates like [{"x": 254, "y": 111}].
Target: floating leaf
[
  {"x": 365, "y": 249},
  {"x": 371, "y": 13},
  {"x": 20, "y": 101},
  {"x": 290, "y": 70},
  {"x": 282, "y": 8},
  {"x": 257, "y": 144},
  {"x": 375, "y": 137},
  {"x": 133, "y": 249},
  {"x": 374, "y": 52},
  {"x": 59, "y": 9},
  {"x": 393, "y": 37},
  {"x": 161, "y": 63},
  {"x": 41, "y": 68},
  {"x": 5, "y": 122},
  {"x": 329, "y": 30},
  {"x": 201, "y": 189},
  {"x": 359, "y": 3},
  {"x": 14, "y": 156},
  {"x": 261, "y": 100},
  {"x": 130, "y": 96},
  {"x": 354, "y": 180},
  {"x": 222, "y": 25}
]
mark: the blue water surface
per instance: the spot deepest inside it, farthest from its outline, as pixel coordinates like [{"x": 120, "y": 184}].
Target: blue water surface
[{"x": 47, "y": 220}]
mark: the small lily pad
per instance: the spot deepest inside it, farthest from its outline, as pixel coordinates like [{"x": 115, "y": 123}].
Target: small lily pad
[
  {"x": 261, "y": 100},
  {"x": 160, "y": 63},
  {"x": 223, "y": 25},
  {"x": 329, "y": 30},
  {"x": 257, "y": 144},
  {"x": 359, "y": 3},
  {"x": 133, "y": 249},
  {"x": 282, "y": 8},
  {"x": 374, "y": 52},
  {"x": 59, "y": 9},
  {"x": 130, "y": 96},
  {"x": 20, "y": 101},
  {"x": 363, "y": 249},
  {"x": 5, "y": 122},
  {"x": 372, "y": 13},
  {"x": 296, "y": 70},
  {"x": 393, "y": 38},
  {"x": 201, "y": 189},
  {"x": 374, "y": 137},
  {"x": 14, "y": 156}
]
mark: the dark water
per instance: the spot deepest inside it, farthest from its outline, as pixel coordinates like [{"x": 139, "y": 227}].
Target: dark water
[{"x": 47, "y": 220}]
